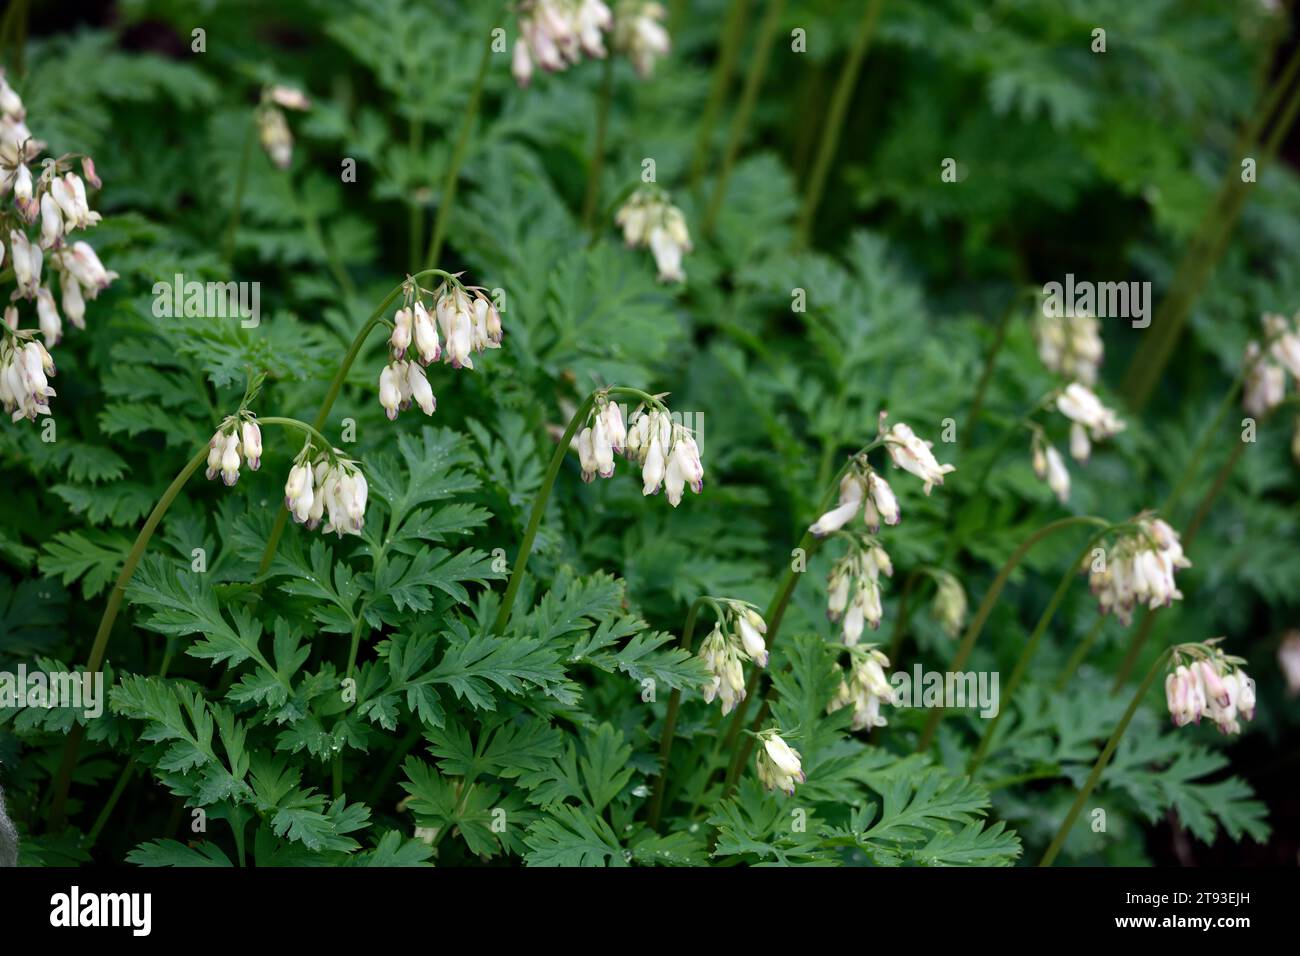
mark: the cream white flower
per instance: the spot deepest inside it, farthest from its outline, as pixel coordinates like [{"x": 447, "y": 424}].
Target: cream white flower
[
  {"x": 1070, "y": 346},
  {"x": 854, "y": 589},
  {"x": 299, "y": 492},
  {"x": 27, "y": 261},
  {"x": 251, "y": 444},
  {"x": 649, "y": 219},
  {"x": 639, "y": 34},
  {"x": 1288, "y": 658},
  {"x": 949, "y": 607},
  {"x": 273, "y": 131},
  {"x": 779, "y": 765},
  {"x": 722, "y": 658},
  {"x": 1079, "y": 404},
  {"x": 25, "y": 369},
  {"x": 1049, "y": 466},
  {"x": 426, "y": 335},
  {"x": 556, "y": 33},
  {"x": 399, "y": 340},
  {"x": 69, "y": 193},
  {"x": 865, "y": 689},
  {"x": 1139, "y": 569},
  {"x": 86, "y": 268},
  {"x": 390, "y": 389},
  {"x": 1205, "y": 681},
  {"x": 914, "y": 455}
]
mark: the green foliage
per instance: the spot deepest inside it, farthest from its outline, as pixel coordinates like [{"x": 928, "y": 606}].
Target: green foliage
[{"x": 350, "y": 700}]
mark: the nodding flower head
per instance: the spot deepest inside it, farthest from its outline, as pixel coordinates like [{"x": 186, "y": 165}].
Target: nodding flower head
[
  {"x": 1089, "y": 417},
  {"x": 330, "y": 487},
  {"x": 913, "y": 455},
  {"x": 1070, "y": 346},
  {"x": 1203, "y": 680},
  {"x": 779, "y": 765},
  {"x": 25, "y": 370},
  {"x": 648, "y": 219},
  {"x": 1138, "y": 568},
  {"x": 667, "y": 451},
  {"x": 865, "y": 689},
  {"x": 468, "y": 321},
  {"x": 737, "y": 637},
  {"x": 238, "y": 439},
  {"x": 556, "y": 33},
  {"x": 1049, "y": 466},
  {"x": 639, "y": 35}
]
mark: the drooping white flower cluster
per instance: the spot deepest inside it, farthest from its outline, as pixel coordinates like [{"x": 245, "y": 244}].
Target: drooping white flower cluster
[
  {"x": 1205, "y": 681},
  {"x": 556, "y": 33},
  {"x": 854, "y": 587},
  {"x": 639, "y": 35},
  {"x": 779, "y": 765},
  {"x": 1090, "y": 421},
  {"x": 332, "y": 487},
  {"x": 666, "y": 452},
  {"x": 736, "y": 637},
  {"x": 57, "y": 196},
  {"x": 1267, "y": 365},
  {"x": 1070, "y": 346},
  {"x": 649, "y": 219},
  {"x": 273, "y": 128},
  {"x": 468, "y": 321},
  {"x": 912, "y": 454},
  {"x": 854, "y": 583},
  {"x": 866, "y": 688},
  {"x": 238, "y": 439},
  {"x": 25, "y": 370},
  {"x": 1138, "y": 569}
]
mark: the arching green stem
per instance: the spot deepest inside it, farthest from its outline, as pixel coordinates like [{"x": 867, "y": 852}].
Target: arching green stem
[
  {"x": 740, "y": 122},
  {"x": 670, "y": 718},
  {"x": 237, "y": 201},
  {"x": 1102, "y": 760},
  {"x": 277, "y": 531},
  {"x": 1080, "y": 654},
  {"x": 990, "y": 599},
  {"x": 830, "y": 138},
  {"x": 63, "y": 781},
  {"x": 1030, "y": 648},
  {"x": 544, "y": 494},
  {"x": 598, "y": 147},
  {"x": 448, "y": 198},
  {"x": 733, "y": 33}
]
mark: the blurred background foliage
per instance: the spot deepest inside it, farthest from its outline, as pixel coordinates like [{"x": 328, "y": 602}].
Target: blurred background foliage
[{"x": 1101, "y": 165}]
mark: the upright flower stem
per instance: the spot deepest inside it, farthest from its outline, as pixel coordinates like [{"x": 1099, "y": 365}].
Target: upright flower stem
[
  {"x": 448, "y": 198},
  {"x": 830, "y": 138},
  {"x": 598, "y": 146},
  {"x": 990, "y": 599},
  {"x": 237, "y": 201},
  {"x": 1030, "y": 648},
  {"x": 322, "y": 416},
  {"x": 544, "y": 494},
  {"x": 1080, "y": 654},
  {"x": 1102, "y": 760},
  {"x": 670, "y": 719},
  {"x": 733, "y": 32},
  {"x": 63, "y": 781},
  {"x": 740, "y": 122},
  {"x": 990, "y": 360},
  {"x": 1209, "y": 241}
]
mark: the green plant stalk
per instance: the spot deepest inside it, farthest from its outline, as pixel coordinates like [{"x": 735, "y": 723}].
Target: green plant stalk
[
  {"x": 448, "y": 198},
  {"x": 1207, "y": 245},
  {"x": 739, "y": 123},
  {"x": 990, "y": 599},
  {"x": 63, "y": 781},
  {"x": 241, "y": 178},
  {"x": 544, "y": 494},
  {"x": 598, "y": 146},
  {"x": 1189, "y": 536},
  {"x": 311, "y": 223},
  {"x": 990, "y": 360},
  {"x": 415, "y": 214},
  {"x": 1080, "y": 654},
  {"x": 670, "y": 721},
  {"x": 1031, "y": 648},
  {"x": 830, "y": 138},
  {"x": 1102, "y": 760},
  {"x": 732, "y": 34},
  {"x": 322, "y": 416}
]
